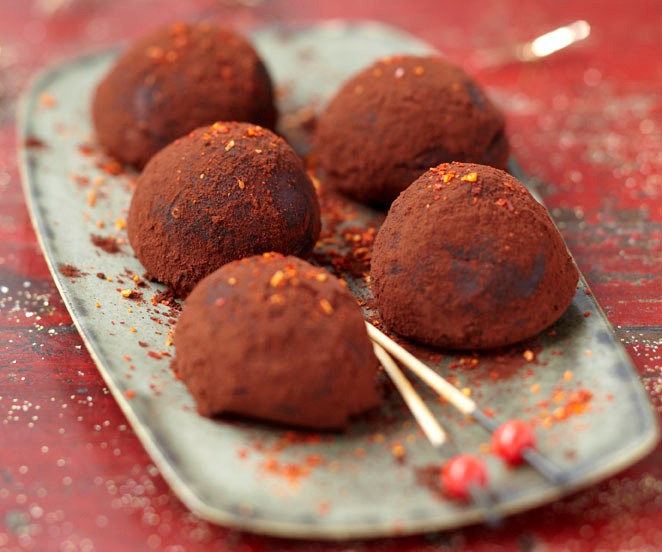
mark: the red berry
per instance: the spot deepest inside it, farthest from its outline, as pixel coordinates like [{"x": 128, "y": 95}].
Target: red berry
[
  {"x": 460, "y": 472},
  {"x": 511, "y": 438}
]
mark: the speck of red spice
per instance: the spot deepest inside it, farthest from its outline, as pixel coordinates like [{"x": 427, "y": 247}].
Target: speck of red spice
[
  {"x": 106, "y": 243},
  {"x": 70, "y": 271}
]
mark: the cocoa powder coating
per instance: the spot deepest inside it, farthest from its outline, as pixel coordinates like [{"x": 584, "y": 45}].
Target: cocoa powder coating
[
  {"x": 221, "y": 193},
  {"x": 175, "y": 80},
  {"x": 399, "y": 117},
  {"x": 468, "y": 259},
  {"x": 277, "y": 339}
]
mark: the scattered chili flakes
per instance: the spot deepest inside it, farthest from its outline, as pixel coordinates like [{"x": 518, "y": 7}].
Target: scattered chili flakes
[
  {"x": 129, "y": 394},
  {"x": 587, "y": 314},
  {"x": 471, "y": 177},
  {"x": 133, "y": 329},
  {"x": 120, "y": 223},
  {"x": 568, "y": 375}
]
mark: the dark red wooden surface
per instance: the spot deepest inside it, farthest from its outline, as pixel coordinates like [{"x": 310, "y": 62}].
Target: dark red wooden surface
[{"x": 587, "y": 122}]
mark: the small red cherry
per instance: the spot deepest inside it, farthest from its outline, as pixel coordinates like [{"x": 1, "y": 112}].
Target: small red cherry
[
  {"x": 511, "y": 438},
  {"x": 460, "y": 472}
]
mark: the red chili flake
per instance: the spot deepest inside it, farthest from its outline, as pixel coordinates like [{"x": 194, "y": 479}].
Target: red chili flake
[
  {"x": 398, "y": 452},
  {"x": 323, "y": 507},
  {"x": 154, "y": 354},
  {"x": 587, "y": 292},
  {"x": 85, "y": 149},
  {"x": 111, "y": 167},
  {"x": 108, "y": 244},
  {"x": 47, "y": 100},
  {"x": 313, "y": 460},
  {"x": 70, "y": 271},
  {"x": 33, "y": 142},
  {"x": 129, "y": 394},
  {"x": 326, "y": 307},
  {"x": 587, "y": 314},
  {"x": 79, "y": 179}
]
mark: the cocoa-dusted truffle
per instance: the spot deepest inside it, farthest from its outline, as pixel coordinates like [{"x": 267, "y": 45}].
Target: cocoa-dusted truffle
[
  {"x": 220, "y": 193},
  {"x": 275, "y": 338},
  {"x": 399, "y": 117},
  {"x": 467, "y": 259},
  {"x": 177, "y": 79}
]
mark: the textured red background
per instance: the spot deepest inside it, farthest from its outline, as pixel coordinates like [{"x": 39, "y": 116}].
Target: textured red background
[{"x": 586, "y": 122}]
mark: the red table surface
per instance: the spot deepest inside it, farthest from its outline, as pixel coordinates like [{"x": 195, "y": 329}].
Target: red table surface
[{"x": 586, "y": 122}]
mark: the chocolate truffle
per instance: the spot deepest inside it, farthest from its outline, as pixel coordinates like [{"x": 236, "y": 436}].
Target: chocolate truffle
[
  {"x": 275, "y": 338},
  {"x": 175, "y": 80},
  {"x": 220, "y": 193},
  {"x": 399, "y": 117},
  {"x": 468, "y": 259}
]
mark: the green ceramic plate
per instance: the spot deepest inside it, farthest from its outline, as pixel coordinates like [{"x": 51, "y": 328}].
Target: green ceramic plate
[{"x": 267, "y": 479}]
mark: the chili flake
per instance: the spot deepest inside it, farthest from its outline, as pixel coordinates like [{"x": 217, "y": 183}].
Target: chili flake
[{"x": 326, "y": 306}]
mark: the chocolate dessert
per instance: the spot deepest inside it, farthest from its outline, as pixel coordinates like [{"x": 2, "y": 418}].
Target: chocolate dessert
[
  {"x": 277, "y": 339},
  {"x": 468, "y": 259},
  {"x": 222, "y": 192},
  {"x": 177, "y": 79},
  {"x": 399, "y": 117}
]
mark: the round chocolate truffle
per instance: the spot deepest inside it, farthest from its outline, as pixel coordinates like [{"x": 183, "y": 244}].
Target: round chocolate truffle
[
  {"x": 468, "y": 259},
  {"x": 220, "y": 193},
  {"x": 175, "y": 80},
  {"x": 399, "y": 117},
  {"x": 277, "y": 339}
]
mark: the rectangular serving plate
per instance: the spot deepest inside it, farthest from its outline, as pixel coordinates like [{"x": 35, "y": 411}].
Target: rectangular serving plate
[{"x": 261, "y": 478}]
